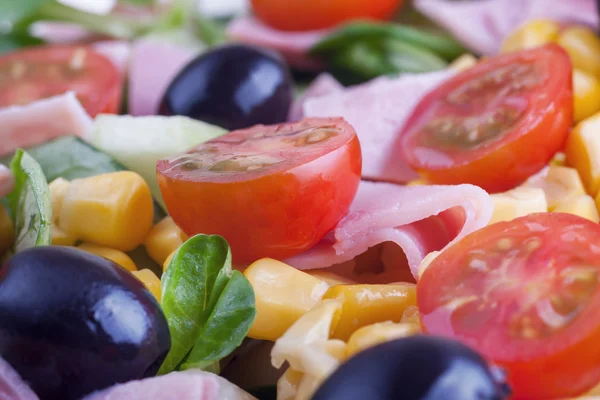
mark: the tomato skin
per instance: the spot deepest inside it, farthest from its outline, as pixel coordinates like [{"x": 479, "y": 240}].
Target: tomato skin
[
  {"x": 277, "y": 215},
  {"x": 547, "y": 363},
  {"x": 39, "y": 72},
  {"x": 523, "y": 149},
  {"x": 306, "y": 15}
]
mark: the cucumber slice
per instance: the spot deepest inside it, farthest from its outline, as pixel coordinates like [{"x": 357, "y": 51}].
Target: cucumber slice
[{"x": 139, "y": 142}]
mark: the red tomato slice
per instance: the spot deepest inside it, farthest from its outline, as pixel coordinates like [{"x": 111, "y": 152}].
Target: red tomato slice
[
  {"x": 40, "y": 72},
  {"x": 271, "y": 191},
  {"x": 495, "y": 124},
  {"x": 526, "y": 295},
  {"x": 305, "y": 15}
]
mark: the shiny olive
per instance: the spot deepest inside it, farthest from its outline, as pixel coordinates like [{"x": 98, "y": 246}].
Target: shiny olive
[
  {"x": 72, "y": 322},
  {"x": 415, "y": 368},
  {"x": 233, "y": 86}
]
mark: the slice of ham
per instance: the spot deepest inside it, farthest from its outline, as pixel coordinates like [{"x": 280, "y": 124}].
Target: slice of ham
[
  {"x": 418, "y": 219},
  {"x": 378, "y": 110},
  {"x": 12, "y": 387},
  {"x": 117, "y": 51},
  {"x": 7, "y": 181},
  {"x": 490, "y": 21},
  {"x": 294, "y": 46},
  {"x": 187, "y": 385},
  {"x": 322, "y": 85},
  {"x": 153, "y": 64},
  {"x": 41, "y": 121}
]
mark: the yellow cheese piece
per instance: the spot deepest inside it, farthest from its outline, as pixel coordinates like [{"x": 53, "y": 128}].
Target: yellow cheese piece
[
  {"x": 164, "y": 238},
  {"x": 150, "y": 280},
  {"x": 417, "y": 182},
  {"x": 583, "y": 152},
  {"x": 168, "y": 260},
  {"x": 586, "y": 95},
  {"x": 463, "y": 62},
  {"x": 583, "y": 47},
  {"x": 116, "y": 256},
  {"x": 329, "y": 277},
  {"x": 582, "y": 205},
  {"x": 62, "y": 238},
  {"x": 372, "y": 335},
  {"x": 282, "y": 295},
  {"x": 531, "y": 34},
  {"x": 368, "y": 304},
  {"x": 517, "y": 202},
  {"x": 58, "y": 189}
]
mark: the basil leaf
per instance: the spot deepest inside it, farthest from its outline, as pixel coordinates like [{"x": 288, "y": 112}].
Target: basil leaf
[
  {"x": 12, "y": 11},
  {"x": 191, "y": 286},
  {"x": 227, "y": 325},
  {"x": 30, "y": 203}
]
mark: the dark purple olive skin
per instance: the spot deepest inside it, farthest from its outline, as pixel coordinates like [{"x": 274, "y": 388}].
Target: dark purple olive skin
[
  {"x": 415, "y": 368},
  {"x": 234, "y": 86},
  {"x": 72, "y": 323}
]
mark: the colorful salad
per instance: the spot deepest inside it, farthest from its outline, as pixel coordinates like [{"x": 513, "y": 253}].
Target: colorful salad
[{"x": 299, "y": 199}]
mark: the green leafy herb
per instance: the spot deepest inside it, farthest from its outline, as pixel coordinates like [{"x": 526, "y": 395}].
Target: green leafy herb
[
  {"x": 209, "y": 307},
  {"x": 12, "y": 11},
  {"x": 29, "y": 203},
  {"x": 70, "y": 158},
  {"x": 16, "y": 41}
]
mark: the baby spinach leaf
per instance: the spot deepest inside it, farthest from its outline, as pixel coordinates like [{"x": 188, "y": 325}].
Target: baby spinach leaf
[
  {"x": 30, "y": 203},
  {"x": 191, "y": 287}
]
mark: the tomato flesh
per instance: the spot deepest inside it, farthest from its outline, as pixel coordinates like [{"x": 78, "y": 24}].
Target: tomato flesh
[
  {"x": 305, "y": 15},
  {"x": 271, "y": 191},
  {"x": 40, "y": 72},
  {"x": 526, "y": 295},
  {"x": 495, "y": 124}
]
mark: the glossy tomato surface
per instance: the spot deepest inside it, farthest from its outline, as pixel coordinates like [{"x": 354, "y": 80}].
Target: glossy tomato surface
[
  {"x": 271, "y": 191},
  {"x": 526, "y": 295},
  {"x": 40, "y": 72},
  {"x": 495, "y": 124},
  {"x": 304, "y": 15}
]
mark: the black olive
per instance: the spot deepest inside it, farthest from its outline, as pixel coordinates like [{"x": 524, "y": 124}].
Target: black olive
[
  {"x": 234, "y": 86},
  {"x": 415, "y": 368},
  {"x": 72, "y": 323}
]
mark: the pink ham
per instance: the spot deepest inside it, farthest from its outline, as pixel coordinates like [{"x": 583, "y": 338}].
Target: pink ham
[
  {"x": 117, "y": 51},
  {"x": 489, "y": 21},
  {"x": 188, "y": 385},
  {"x": 7, "y": 181},
  {"x": 294, "y": 46},
  {"x": 12, "y": 386},
  {"x": 40, "y": 121},
  {"x": 322, "y": 85},
  {"x": 377, "y": 110},
  {"x": 153, "y": 64},
  {"x": 418, "y": 219}
]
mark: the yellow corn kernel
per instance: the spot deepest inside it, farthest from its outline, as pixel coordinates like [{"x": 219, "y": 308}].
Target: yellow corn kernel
[
  {"x": 331, "y": 278},
  {"x": 116, "y": 256},
  {"x": 463, "y": 62},
  {"x": 582, "y": 205},
  {"x": 7, "y": 231},
  {"x": 417, "y": 182},
  {"x": 283, "y": 294},
  {"x": 62, "y": 238},
  {"x": 374, "y": 334},
  {"x": 583, "y": 47},
  {"x": 168, "y": 260},
  {"x": 113, "y": 210},
  {"x": 58, "y": 189},
  {"x": 586, "y": 95},
  {"x": 164, "y": 238},
  {"x": 583, "y": 152},
  {"x": 517, "y": 202},
  {"x": 368, "y": 304},
  {"x": 150, "y": 280},
  {"x": 532, "y": 34}
]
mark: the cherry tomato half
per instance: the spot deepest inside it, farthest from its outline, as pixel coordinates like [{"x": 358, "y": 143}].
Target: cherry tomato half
[
  {"x": 40, "y": 72},
  {"x": 526, "y": 295},
  {"x": 305, "y": 15},
  {"x": 495, "y": 124},
  {"x": 271, "y": 191}
]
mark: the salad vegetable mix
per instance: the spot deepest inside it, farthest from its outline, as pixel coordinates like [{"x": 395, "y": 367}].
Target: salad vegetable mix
[{"x": 299, "y": 200}]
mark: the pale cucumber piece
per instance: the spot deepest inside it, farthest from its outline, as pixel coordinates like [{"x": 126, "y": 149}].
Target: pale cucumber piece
[{"x": 139, "y": 142}]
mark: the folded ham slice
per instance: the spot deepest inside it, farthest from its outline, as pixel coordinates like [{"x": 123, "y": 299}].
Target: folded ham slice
[
  {"x": 117, "y": 51},
  {"x": 489, "y": 21},
  {"x": 322, "y": 85},
  {"x": 188, "y": 385},
  {"x": 12, "y": 386},
  {"x": 294, "y": 46},
  {"x": 378, "y": 110},
  {"x": 41, "y": 121},
  {"x": 152, "y": 66},
  {"x": 7, "y": 181},
  {"x": 418, "y": 219}
]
